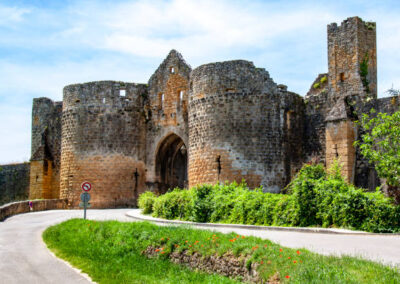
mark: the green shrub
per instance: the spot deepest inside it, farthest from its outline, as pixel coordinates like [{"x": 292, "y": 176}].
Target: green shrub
[
  {"x": 146, "y": 201},
  {"x": 316, "y": 85},
  {"x": 224, "y": 199},
  {"x": 303, "y": 190},
  {"x": 175, "y": 204},
  {"x": 202, "y": 204},
  {"x": 323, "y": 79},
  {"x": 315, "y": 198}
]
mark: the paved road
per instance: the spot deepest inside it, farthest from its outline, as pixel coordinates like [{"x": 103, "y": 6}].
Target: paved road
[
  {"x": 24, "y": 257},
  {"x": 376, "y": 247}
]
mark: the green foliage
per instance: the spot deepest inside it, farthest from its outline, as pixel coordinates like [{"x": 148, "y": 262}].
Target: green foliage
[
  {"x": 323, "y": 79},
  {"x": 393, "y": 92},
  {"x": 146, "y": 201},
  {"x": 364, "y": 72},
  {"x": 174, "y": 204},
  {"x": 380, "y": 144},
  {"x": 370, "y": 25},
  {"x": 112, "y": 252},
  {"x": 316, "y": 85},
  {"x": 315, "y": 198},
  {"x": 202, "y": 204}
]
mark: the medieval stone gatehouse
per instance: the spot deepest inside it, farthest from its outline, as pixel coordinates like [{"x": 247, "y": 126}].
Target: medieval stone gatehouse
[{"x": 220, "y": 122}]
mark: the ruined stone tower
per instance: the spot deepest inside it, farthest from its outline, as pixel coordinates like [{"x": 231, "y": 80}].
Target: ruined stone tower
[
  {"x": 103, "y": 141},
  {"x": 239, "y": 126},
  {"x": 352, "y": 74},
  {"x": 352, "y": 59},
  {"x": 224, "y": 121}
]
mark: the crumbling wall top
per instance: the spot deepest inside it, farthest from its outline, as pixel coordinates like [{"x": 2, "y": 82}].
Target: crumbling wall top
[
  {"x": 114, "y": 93},
  {"x": 237, "y": 76}
]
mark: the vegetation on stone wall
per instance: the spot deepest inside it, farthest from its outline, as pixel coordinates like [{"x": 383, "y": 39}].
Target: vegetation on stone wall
[
  {"x": 315, "y": 198},
  {"x": 380, "y": 144},
  {"x": 364, "y": 72}
]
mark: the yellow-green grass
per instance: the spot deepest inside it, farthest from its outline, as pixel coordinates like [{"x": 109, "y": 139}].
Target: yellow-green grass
[{"x": 111, "y": 252}]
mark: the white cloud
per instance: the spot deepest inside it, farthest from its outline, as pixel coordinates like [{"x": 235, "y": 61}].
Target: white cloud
[
  {"x": 11, "y": 15},
  {"x": 289, "y": 40}
]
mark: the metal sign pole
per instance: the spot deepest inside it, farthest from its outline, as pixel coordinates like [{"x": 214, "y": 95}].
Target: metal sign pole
[
  {"x": 84, "y": 209},
  {"x": 85, "y": 197}
]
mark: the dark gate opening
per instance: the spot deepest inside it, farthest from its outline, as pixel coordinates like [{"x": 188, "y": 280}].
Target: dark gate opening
[{"x": 171, "y": 163}]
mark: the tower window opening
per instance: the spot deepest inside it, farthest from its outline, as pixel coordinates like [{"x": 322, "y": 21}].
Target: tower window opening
[
  {"x": 172, "y": 70},
  {"x": 342, "y": 77},
  {"x": 161, "y": 101},
  {"x": 122, "y": 93},
  {"x": 180, "y": 96},
  {"x": 104, "y": 100},
  {"x": 335, "y": 148},
  {"x": 289, "y": 116},
  {"x": 45, "y": 167}
]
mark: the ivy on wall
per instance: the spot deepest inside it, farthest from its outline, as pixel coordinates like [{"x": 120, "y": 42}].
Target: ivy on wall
[{"x": 364, "y": 72}]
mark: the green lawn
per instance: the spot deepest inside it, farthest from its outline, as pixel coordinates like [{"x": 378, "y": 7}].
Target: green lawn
[{"x": 110, "y": 252}]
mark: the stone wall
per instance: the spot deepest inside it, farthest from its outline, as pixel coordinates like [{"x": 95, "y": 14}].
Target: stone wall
[
  {"x": 11, "y": 209},
  {"x": 317, "y": 107},
  {"x": 340, "y": 136},
  {"x": 237, "y": 120},
  {"x": 103, "y": 142},
  {"x": 14, "y": 182},
  {"x": 46, "y": 149}
]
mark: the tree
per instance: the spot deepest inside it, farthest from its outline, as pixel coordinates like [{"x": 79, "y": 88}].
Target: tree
[{"x": 380, "y": 144}]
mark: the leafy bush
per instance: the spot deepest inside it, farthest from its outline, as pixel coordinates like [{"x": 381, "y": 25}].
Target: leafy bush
[
  {"x": 315, "y": 198},
  {"x": 146, "y": 201},
  {"x": 202, "y": 205},
  {"x": 175, "y": 204}
]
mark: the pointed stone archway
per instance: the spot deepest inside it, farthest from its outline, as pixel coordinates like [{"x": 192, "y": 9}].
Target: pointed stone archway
[{"x": 171, "y": 163}]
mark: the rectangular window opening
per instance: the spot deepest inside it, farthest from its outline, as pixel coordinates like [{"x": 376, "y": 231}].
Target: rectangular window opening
[
  {"x": 342, "y": 77},
  {"x": 122, "y": 93},
  {"x": 161, "y": 101}
]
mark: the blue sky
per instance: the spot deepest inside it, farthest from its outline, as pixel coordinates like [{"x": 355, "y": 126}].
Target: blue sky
[{"x": 45, "y": 45}]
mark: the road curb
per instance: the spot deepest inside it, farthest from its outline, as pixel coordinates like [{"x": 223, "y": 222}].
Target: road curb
[{"x": 136, "y": 214}]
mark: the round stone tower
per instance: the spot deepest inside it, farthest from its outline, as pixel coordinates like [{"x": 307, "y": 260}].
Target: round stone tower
[
  {"x": 103, "y": 142},
  {"x": 241, "y": 125}
]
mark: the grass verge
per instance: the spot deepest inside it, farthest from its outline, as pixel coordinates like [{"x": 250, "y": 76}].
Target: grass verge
[{"x": 111, "y": 252}]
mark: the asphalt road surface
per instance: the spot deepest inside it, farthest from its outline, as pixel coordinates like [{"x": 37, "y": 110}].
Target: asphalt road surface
[{"x": 24, "y": 257}]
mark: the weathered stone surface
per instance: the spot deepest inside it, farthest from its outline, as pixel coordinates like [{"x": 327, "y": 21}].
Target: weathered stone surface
[
  {"x": 227, "y": 264},
  {"x": 14, "y": 182},
  {"x": 11, "y": 209},
  {"x": 46, "y": 149},
  {"x": 349, "y": 45},
  {"x": 241, "y": 126}
]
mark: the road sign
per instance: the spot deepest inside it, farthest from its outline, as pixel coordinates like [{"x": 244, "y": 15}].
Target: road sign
[
  {"x": 86, "y": 186},
  {"x": 82, "y": 204},
  {"x": 85, "y": 197}
]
